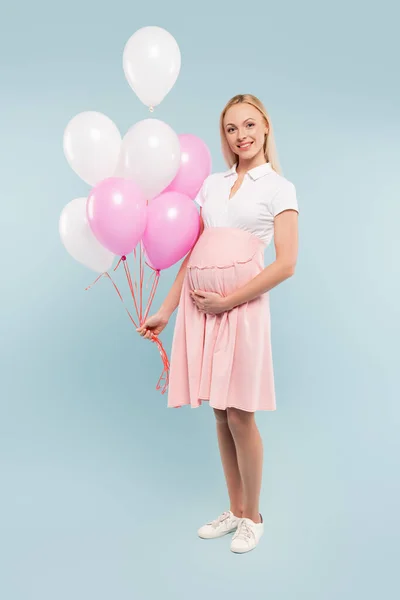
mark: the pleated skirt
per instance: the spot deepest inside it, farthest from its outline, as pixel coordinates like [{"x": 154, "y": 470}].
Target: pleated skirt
[{"x": 224, "y": 359}]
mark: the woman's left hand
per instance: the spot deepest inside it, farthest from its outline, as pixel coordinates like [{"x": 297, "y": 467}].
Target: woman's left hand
[{"x": 209, "y": 302}]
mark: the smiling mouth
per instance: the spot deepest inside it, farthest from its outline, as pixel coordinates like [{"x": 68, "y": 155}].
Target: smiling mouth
[{"x": 244, "y": 146}]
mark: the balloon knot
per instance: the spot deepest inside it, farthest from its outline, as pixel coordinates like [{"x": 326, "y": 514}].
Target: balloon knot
[{"x": 123, "y": 257}]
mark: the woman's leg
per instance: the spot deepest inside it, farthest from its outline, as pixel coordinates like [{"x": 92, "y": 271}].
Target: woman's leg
[
  {"x": 249, "y": 450},
  {"x": 229, "y": 462}
]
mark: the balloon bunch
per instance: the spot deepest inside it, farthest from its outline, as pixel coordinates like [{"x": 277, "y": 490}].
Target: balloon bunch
[{"x": 142, "y": 185}]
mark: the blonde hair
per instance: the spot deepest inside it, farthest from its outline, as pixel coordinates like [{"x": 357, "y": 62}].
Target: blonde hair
[{"x": 270, "y": 151}]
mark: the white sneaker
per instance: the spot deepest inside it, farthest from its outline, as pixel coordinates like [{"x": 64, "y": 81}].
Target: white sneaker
[
  {"x": 225, "y": 523},
  {"x": 247, "y": 535}
]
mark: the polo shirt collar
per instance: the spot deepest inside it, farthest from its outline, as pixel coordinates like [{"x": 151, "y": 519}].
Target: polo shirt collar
[{"x": 254, "y": 173}]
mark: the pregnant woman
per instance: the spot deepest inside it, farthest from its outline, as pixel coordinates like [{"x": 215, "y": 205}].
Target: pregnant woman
[{"x": 221, "y": 350}]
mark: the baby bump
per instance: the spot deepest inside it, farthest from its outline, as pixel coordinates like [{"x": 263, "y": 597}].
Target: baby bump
[{"x": 224, "y": 259}]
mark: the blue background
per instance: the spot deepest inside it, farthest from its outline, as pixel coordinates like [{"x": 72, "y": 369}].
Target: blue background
[{"x": 103, "y": 487}]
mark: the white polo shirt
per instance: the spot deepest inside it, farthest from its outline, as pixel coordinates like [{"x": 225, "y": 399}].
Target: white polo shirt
[{"x": 262, "y": 195}]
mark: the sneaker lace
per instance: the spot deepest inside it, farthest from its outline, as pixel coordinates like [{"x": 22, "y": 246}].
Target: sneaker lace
[
  {"x": 219, "y": 519},
  {"x": 243, "y": 532}
]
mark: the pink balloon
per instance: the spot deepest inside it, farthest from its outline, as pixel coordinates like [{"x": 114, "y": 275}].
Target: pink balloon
[
  {"x": 117, "y": 214},
  {"x": 173, "y": 225},
  {"x": 195, "y": 166}
]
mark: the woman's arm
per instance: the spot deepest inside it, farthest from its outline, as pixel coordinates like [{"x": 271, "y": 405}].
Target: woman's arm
[
  {"x": 172, "y": 299},
  {"x": 286, "y": 249}
]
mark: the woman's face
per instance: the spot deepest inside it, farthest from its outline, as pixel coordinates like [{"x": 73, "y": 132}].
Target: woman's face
[{"x": 245, "y": 130}]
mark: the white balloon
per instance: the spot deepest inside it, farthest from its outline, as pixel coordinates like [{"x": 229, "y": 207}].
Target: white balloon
[
  {"x": 151, "y": 62},
  {"x": 92, "y": 143},
  {"x": 79, "y": 239},
  {"x": 150, "y": 155}
]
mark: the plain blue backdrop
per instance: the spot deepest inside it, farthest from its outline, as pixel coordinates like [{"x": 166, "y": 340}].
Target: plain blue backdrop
[{"x": 103, "y": 487}]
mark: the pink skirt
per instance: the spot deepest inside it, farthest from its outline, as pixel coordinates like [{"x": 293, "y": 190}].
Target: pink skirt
[{"x": 225, "y": 359}]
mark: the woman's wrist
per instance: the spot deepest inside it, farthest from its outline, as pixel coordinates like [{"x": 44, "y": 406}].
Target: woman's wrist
[
  {"x": 164, "y": 313},
  {"x": 227, "y": 302}
]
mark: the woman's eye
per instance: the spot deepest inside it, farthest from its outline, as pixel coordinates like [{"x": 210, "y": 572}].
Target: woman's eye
[{"x": 230, "y": 129}]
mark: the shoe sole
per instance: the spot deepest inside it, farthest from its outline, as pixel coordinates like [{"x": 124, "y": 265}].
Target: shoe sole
[
  {"x": 242, "y": 551},
  {"x": 212, "y": 537}
]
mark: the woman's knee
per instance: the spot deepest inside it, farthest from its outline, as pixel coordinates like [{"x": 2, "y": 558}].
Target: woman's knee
[
  {"x": 239, "y": 420},
  {"x": 221, "y": 416}
]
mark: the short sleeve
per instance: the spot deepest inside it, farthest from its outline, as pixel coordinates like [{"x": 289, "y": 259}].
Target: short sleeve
[
  {"x": 285, "y": 198},
  {"x": 202, "y": 194}
]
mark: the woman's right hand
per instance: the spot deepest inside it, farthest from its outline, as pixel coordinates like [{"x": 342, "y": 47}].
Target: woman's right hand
[{"x": 153, "y": 325}]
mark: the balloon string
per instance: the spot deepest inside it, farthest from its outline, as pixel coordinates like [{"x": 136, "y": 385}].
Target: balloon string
[
  {"x": 151, "y": 275},
  {"x": 117, "y": 265},
  {"x": 129, "y": 278},
  {"x": 163, "y": 381},
  {"x": 164, "y": 357},
  {"x": 165, "y": 373},
  {"x": 118, "y": 292},
  {"x": 152, "y": 294},
  {"x": 156, "y": 274},
  {"x": 141, "y": 275}
]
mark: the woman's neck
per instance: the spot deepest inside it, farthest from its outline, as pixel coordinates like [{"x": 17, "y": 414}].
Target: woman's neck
[{"x": 245, "y": 165}]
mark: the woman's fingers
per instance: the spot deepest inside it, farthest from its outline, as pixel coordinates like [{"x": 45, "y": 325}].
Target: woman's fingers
[
  {"x": 143, "y": 328},
  {"x": 146, "y": 333}
]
